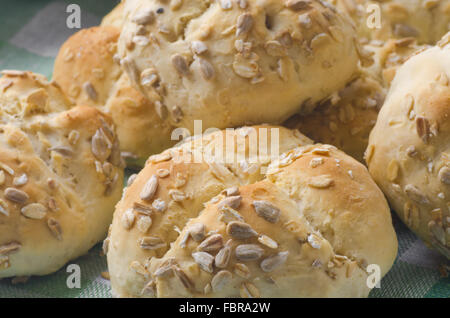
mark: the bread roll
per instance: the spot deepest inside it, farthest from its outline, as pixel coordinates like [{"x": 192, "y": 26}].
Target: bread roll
[
  {"x": 87, "y": 71},
  {"x": 60, "y": 176},
  {"x": 425, "y": 20},
  {"x": 115, "y": 17},
  {"x": 304, "y": 223},
  {"x": 231, "y": 63},
  {"x": 409, "y": 148}
]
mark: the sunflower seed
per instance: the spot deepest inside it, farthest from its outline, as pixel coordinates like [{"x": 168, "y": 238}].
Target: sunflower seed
[
  {"x": 423, "y": 128},
  {"x": 144, "y": 17},
  {"x": 198, "y": 47},
  {"x": 162, "y": 173},
  {"x": 197, "y": 231},
  {"x": 242, "y": 270},
  {"x": 415, "y": 194},
  {"x": 138, "y": 268},
  {"x": 320, "y": 182},
  {"x": 9, "y": 248},
  {"x": 3, "y": 208},
  {"x": 248, "y": 290},
  {"x": 185, "y": 280},
  {"x": 20, "y": 181},
  {"x": 151, "y": 243},
  {"x": 274, "y": 48},
  {"x": 90, "y": 91},
  {"x": 207, "y": 69},
  {"x": 228, "y": 215},
  {"x": 2, "y": 177},
  {"x": 211, "y": 244},
  {"x": 314, "y": 241},
  {"x": 149, "y": 189},
  {"x": 267, "y": 211},
  {"x": 267, "y": 241},
  {"x": 149, "y": 289},
  {"x": 7, "y": 168},
  {"x": 131, "y": 179},
  {"x": 35, "y": 211},
  {"x": 244, "y": 67},
  {"x": 159, "y": 205},
  {"x": 105, "y": 246},
  {"x": 248, "y": 252},
  {"x": 55, "y": 228},
  {"x": 392, "y": 170},
  {"x": 240, "y": 230},
  {"x": 223, "y": 256},
  {"x": 165, "y": 269},
  {"x": 220, "y": 280},
  {"x": 244, "y": 24},
  {"x": 177, "y": 195},
  {"x": 15, "y": 195},
  {"x": 142, "y": 209},
  {"x": 233, "y": 202},
  {"x": 128, "y": 219},
  {"x": 315, "y": 162},
  {"x": 100, "y": 146},
  {"x": 204, "y": 260},
  {"x": 298, "y": 5},
  {"x": 180, "y": 64},
  {"x": 271, "y": 263},
  {"x": 444, "y": 175},
  {"x": 144, "y": 223},
  {"x": 233, "y": 191},
  {"x": 63, "y": 150},
  {"x": 130, "y": 68}
]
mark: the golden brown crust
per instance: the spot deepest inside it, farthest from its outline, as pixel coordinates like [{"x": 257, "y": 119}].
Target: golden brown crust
[
  {"x": 86, "y": 70},
  {"x": 408, "y": 149},
  {"x": 55, "y": 203},
  {"x": 208, "y": 203},
  {"x": 235, "y": 61}
]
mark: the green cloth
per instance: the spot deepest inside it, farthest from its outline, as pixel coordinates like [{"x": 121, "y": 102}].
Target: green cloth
[{"x": 31, "y": 31}]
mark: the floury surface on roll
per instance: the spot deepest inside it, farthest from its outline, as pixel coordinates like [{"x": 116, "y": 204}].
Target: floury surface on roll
[
  {"x": 290, "y": 219},
  {"x": 231, "y": 63},
  {"x": 60, "y": 176},
  {"x": 409, "y": 148}
]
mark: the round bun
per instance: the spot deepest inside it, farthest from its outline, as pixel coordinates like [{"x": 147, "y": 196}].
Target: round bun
[
  {"x": 60, "y": 176},
  {"x": 233, "y": 63},
  {"x": 290, "y": 220},
  {"x": 424, "y": 20},
  {"x": 346, "y": 119},
  {"x": 409, "y": 148},
  {"x": 88, "y": 72}
]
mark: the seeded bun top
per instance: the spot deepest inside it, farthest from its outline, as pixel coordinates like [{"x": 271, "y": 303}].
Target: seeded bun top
[
  {"x": 409, "y": 148},
  {"x": 60, "y": 176},
  {"x": 424, "y": 20},
  {"x": 231, "y": 63},
  {"x": 304, "y": 223},
  {"x": 87, "y": 72}
]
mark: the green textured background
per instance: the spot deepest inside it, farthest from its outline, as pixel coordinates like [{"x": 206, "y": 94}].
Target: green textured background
[{"x": 31, "y": 31}]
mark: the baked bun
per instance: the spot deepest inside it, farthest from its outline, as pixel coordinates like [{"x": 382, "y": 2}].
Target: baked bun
[
  {"x": 60, "y": 176},
  {"x": 409, "y": 148},
  {"x": 87, "y": 71},
  {"x": 304, "y": 223},
  {"x": 425, "y": 20},
  {"x": 346, "y": 119},
  {"x": 232, "y": 63}
]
